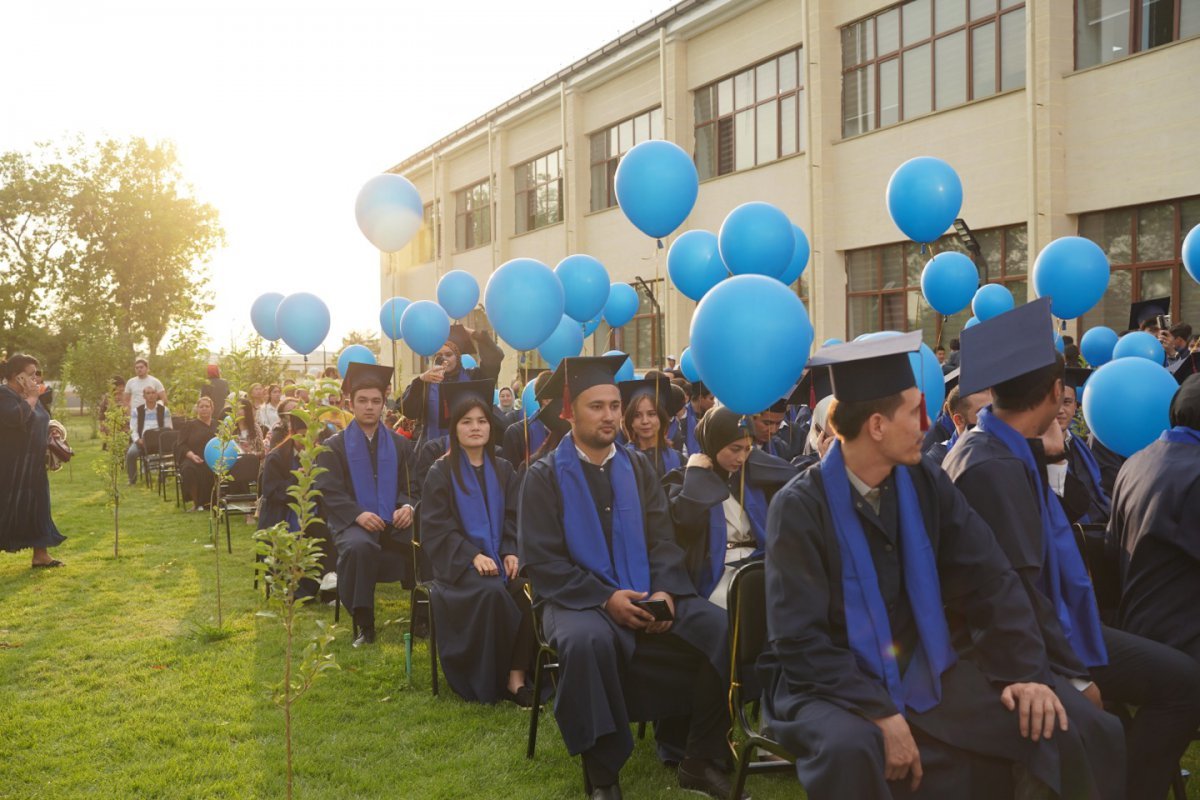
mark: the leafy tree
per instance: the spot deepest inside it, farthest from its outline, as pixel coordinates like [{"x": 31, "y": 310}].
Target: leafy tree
[
  {"x": 90, "y": 364},
  {"x": 111, "y": 467},
  {"x": 251, "y": 362},
  {"x": 365, "y": 338},
  {"x": 181, "y": 368}
]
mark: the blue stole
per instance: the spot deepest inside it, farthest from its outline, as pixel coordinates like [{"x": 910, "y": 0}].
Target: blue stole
[
  {"x": 481, "y": 508},
  {"x": 629, "y": 565},
  {"x": 1093, "y": 469},
  {"x": 537, "y": 436},
  {"x": 670, "y": 457},
  {"x": 867, "y": 625},
  {"x": 755, "y": 503},
  {"x": 1064, "y": 578},
  {"x": 689, "y": 431},
  {"x": 432, "y": 428},
  {"x": 374, "y": 492},
  {"x": 672, "y": 430},
  {"x": 769, "y": 447},
  {"x": 1180, "y": 435}
]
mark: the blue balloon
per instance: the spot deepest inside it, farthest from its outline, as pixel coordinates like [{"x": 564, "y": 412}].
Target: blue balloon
[
  {"x": 834, "y": 340},
  {"x": 390, "y": 315},
  {"x": 389, "y": 211},
  {"x": 924, "y": 196},
  {"x": 585, "y": 286},
  {"x": 949, "y": 282},
  {"x": 1059, "y": 344},
  {"x": 1097, "y": 345},
  {"x": 524, "y": 302},
  {"x": 1073, "y": 272},
  {"x": 262, "y": 315},
  {"x": 656, "y": 186},
  {"x": 1191, "y": 253},
  {"x": 687, "y": 365},
  {"x": 565, "y": 342},
  {"x": 694, "y": 263},
  {"x": 971, "y": 323},
  {"x": 1140, "y": 344},
  {"x": 458, "y": 292},
  {"x": 757, "y": 239},
  {"x": 355, "y": 353},
  {"x": 213, "y": 454},
  {"x": 468, "y": 362},
  {"x": 1128, "y": 402},
  {"x": 425, "y": 327},
  {"x": 750, "y": 338},
  {"x": 303, "y": 322},
  {"x": 590, "y": 327},
  {"x": 529, "y": 403},
  {"x": 625, "y": 373},
  {"x": 621, "y": 306},
  {"x": 800, "y": 254},
  {"x": 992, "y": 300}
]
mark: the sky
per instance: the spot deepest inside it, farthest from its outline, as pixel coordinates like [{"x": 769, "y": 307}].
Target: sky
[{"x": 282, "y": 110}]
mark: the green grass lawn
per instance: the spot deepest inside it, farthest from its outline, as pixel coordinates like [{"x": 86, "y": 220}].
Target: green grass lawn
[{"x": 109, "y": 690}]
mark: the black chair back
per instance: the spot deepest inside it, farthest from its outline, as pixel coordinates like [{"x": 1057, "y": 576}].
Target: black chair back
[
  {"x": 167, "y": 441},
  {"x": 150, "y": 441},
  {"x": 747, "y": 607},
  {"x": 243, "y": 475},
  {"x": 1103, "y": 565}
]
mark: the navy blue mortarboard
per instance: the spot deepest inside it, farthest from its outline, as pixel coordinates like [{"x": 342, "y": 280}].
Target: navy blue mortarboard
[
  {"x": 870, "y": 369},
  {"x": 453, "y": 394},
  {"x": 813, "y": 387},
  {"x": 366, "y": 376},
  {"x": 656, "y": 387},
  {"x": 575, "y": 376},
  {"x": 1143, "y": 310},
  {"x": 1007, "y": 346},
  {"x": 951, "y": 379},
  {"x": 1077, "y": 376}
]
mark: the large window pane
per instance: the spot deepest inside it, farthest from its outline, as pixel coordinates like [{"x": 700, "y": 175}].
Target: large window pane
[
  {"x": 705, "y": 102},
  {"x": 599, "y": 186},
  {"x": 1101, "y": 31},
  {"x": 1157, "y": 22},
  {"x": 789, "y": 126},
  {"x": 858, "y": 102},
  {"x": 861, "y": 271},
  {"x": 725, "y": 97},
  {"x": 743, "y": 89},
  {"x": 983, "y": 60},
  {"x": 656, "y": 124},
  {"x": 914, "y": 262},
  {"x": 982, "y": 8},
  {"x": 1154, "y": 283},
  {"x": 887, "y": 31},
  {"x": 950, "y": 56},
  {"x": 765, "y": 84},
  {"x": 1113, "y": 309},
  {"x": 1189, "y": 22},
  {"x": 1189, "y": 303},
  {"x": 917, "y": 88},
  {"x": 1016, "y": 251},
  {"x": 916, "y": 18},
  {"x": 948, "y": 14},
  {"x": 892, "y": 258},
  {"x": 743, "y": 140},
  {"x": 641, "y": 128},
  {"x": 706, "y": 155},
  {"x": 788, "y": 74},
  {"x": 895, "y": 311},
  {"x": 625, "y": 136},
  {"x": 767, "y": 125},
  {"x": 1112, "y": 230},
  {"x": 864, "y": 315},
  {"x": 1012, "y": 50},
  {"x": 1156, "y": 233},
  {"x": 725, "y": 146},
  {"x": 889, "y": 92}
]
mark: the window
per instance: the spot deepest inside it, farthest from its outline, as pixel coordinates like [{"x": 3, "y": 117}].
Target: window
[
  {"x": 473, "y": 216},
  {"x": 883, "y": 288},
  {"x": 1143, "y": 245},
  {"x": 1106, "y": 30},
  {"x": 750, "y": 118},
  {"x": 640, "y": 336},
  {"x": 608, "y": 145},
  {"x": 928, "y": 54},
  {"x": 539, "y": 192},
  {"x": 429, "y": 236}
]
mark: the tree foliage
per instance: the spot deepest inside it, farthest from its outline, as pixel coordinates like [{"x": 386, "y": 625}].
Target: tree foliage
[{"x": 367, "y": 339}]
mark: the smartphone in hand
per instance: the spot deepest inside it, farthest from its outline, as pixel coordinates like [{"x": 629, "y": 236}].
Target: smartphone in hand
[{"x": 659, "y": 608}]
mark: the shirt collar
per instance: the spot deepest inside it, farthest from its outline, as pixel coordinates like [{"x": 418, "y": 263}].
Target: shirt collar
[{"x": 612, "y": 452}]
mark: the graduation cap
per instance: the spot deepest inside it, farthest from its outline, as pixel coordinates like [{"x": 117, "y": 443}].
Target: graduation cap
[
  {"x": 462, "y": 340},
  {"x": 1076, "y": 376},
  {"x": 951, "y": 379},
  {"x": 1143, "y": 310},
  {"x": 366, "y": 376},
  {"x": 575, "y": 376},
  {"x": 1007, "y": 346},
  {"x": 454, "y": 394},
  {"x": 813, "y": 387},
  {"x": 656, "y": 387},
  {"x": 870, "y": 369}
]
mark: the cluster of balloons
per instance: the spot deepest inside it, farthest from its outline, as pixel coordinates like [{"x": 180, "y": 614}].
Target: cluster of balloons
[{"x": 301, "y": 320}]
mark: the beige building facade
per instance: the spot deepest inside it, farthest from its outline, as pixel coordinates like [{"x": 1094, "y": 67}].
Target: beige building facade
[{"x": 1061, "y": 117}]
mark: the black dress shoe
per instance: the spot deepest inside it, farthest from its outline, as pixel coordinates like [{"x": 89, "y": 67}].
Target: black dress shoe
[
  {"x": 607, "y": 792},
  {"x": 522, "y": 697},
  {"x": 703, "y": 777},
  {"x": 365, "y": 636}
]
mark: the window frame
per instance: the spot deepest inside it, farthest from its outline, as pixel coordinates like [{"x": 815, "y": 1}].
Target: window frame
[
  {"x": 472, "y": 215},
  {"x": 1133, "y": 42},
  {"x": 520, "y": 195},
  {"x": 611, "y": 160}
]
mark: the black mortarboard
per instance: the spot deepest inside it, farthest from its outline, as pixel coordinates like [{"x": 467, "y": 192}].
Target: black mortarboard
[
  {"x": 363, "y": 376},
  {"x": 452, "y": 394},
  {"x": 462, "y": 340},
  {"x": 656, "y": 387},
  {"x": 813, "y": 387},
  {"x": 1007, "y": 346},
  {"x": 575, "y": 376},
  {"x": 1143, "y": 310},
  {"x": 869, "y": 369},
  {"x": 951, "y": 378},
  {"x": 1076, "y": 376}
]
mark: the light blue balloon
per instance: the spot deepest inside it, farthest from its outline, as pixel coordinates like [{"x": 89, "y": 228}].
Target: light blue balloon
[
  {"x": 924, "y": 196},
  {"x": 625, "y": 373},
  {"x": 621, "y": 306},
  {"x": 303, "y": 322},
  {"x": 565, "y": 342},
  {"x": 390, "y": 315},
  {"x": 355, "y": 353},
  {"x": 458, "y": 292},
  {"x": 949, "y": 282},
  {"x": 592, "y": 325},
  {"x": 1097, "y": 345},
  {"x": 1191, "y": 253},
  {"x": 1073, "y": 272},
  {"x": 800, "y": 254},
  {"x": 991, "y": 300},
  {"x": 757, "y": 238},
  {"x": 524, "y": 302},
  {"x": 1140, "y": 344},
  {"x": 468, "y": 362},
  {"x": 1059, "y": 344},
  {"x": 585, "y": 286},
  {"x": 687, "y": 365},
  {"x": 694, "y": 263},
  {"x": 656, "y": 186},
  {"x": 262, "y": 315},
  {"x": 750, "y": 338},
  {"x": 971, "y": 323},
  {"x": 213, "y": 454},
  {"x": 389, "y": 211},
  {"x": 529, "y": 403},
  {"x": 832, "y": 341},
  {"x": 425, "y": 327},
  {"x": 1128, "y": 403}
]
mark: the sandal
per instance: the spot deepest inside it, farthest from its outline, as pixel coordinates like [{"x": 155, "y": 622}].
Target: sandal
[{"x": 52, "y": 563}]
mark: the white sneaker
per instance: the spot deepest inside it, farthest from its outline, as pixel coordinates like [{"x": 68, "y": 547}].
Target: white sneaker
[{"x": 329, "y": 582}]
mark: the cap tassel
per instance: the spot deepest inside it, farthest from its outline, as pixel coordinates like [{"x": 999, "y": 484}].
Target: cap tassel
[
  {"x": 924, "y": 415},
  {"x": 565, "y": 414}
]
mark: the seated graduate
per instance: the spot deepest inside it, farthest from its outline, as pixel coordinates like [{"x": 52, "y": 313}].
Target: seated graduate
[
  {"x": 766, "y": 426},
  {"x": 820, "y": 436},
  {"x": 469, "y": 532},
  {"x": 700, "y": 400},
  {"x": 644, "y": 419},
  {"x": 719, "y": 501},
  {"x": 1155, "y": 517},
  {"x": 195, "y": 477},
  {"x": 596, "y": 539},
  {"x": 964, "y": 414},
  {"x": 420, "y": 399},
  {"x": 1080, "y": 461},
  {"x": 367, "y": 498},
  {"x": 1000, "y": 467},
  {"x": 521, "y": 440},
  {"x": 874, "y": 561}
]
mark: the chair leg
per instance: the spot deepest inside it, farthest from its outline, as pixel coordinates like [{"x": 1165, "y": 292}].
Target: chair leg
[
  {"x": 537, "y": 703},
  {"x": 228, "y": 538},
  {"x": 739, "y": 772},
  {"x": 1179, "y": 786},
  {"x": 433, "y": 651}
]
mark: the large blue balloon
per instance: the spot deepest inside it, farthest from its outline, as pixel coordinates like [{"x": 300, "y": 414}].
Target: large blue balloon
[
  {"x": 1097, "y": 345},
  {"x": 949, "y": 282},
  {"x": 1127, "y": 403},
  {"x": 389, "y": 211},
  {"x": 303, "y": 322},
  {"x": 213, "y": 454},
  {"x": 1191, "y": 253},
  {"x": 585, "y": 286},
  {"x": 1073, "y": 272},
  {"x": 262, "y": 315},
  {"x": 687, "y": 365},
  {"x": 991, "y": 300},
  {"x": 1059, "y": 344},
  {"x": 750, "y": 339},
  {"x": 524, "y": 302},
  {"x": 621, "y": 306},
  {"x": 625, "y": 373},
  {"x": 390, "y": 315},
  {"x": 757, "y": 238},
  {"x": 656, "y": 186},
  {"x": 591, "y": 325},
  {"x": 458, "y": 292},
  {"x": 425, "y": 327},
  {"x": 800, "y": 254},
  {"x": 565, "y": 342},
  {"x": 924, "y": 196},
  {"x": 1140, "y": 344},
  {"x": 355, "y": 353},
  {"x": 694, "y": 263},
  {"x": 529, "y": 403},
  {"x": 971, "y": 323},
  {"x": 833, "y": 340}
]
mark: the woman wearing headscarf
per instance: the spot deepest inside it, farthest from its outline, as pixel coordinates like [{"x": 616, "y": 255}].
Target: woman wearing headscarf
[{"x": 820, "y": 436}]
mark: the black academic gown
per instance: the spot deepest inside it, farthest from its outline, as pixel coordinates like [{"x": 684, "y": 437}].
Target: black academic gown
[
  {"x": 276, "y": 479},
  {"x": 24, "y": 486},
  {"x": 819, "y": 702},
  {"x": 1098, "y": 508},
  {"x": 412, "y": 403},
  {"x": 658, "y": 458},
  {"x": 195, "y": 478},
  {"x": 1110, "y": 463},
  {"x": 777, "y": 447}
]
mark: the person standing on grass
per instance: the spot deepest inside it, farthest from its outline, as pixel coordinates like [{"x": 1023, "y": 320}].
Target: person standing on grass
[
  {"x": 135, "y": 387},
  {"x": 24, "y": 488}
]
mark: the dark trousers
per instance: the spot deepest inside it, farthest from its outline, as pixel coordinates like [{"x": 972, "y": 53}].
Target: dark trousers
[
  {"x": 1164, "y": 684},
  {"x": 365, "y": 559}
]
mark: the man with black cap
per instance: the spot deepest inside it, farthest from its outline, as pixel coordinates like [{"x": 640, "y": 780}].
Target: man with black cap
[
  {"x": 875, "y": 568},
  {"x": 1155, "y": 517},
  {"x": 420, "y": 399},
  {"x": 1080, "y": 461},
  {"x": 367, "y": 498},
  {"x": 616, "y": 601},
  {"x": 1001, "y": 469}
]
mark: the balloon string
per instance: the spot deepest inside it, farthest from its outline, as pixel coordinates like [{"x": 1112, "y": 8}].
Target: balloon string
[{"x": 524, "y": 412}]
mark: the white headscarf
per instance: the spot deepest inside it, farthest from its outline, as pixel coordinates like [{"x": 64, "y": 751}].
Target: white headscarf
[{"x": 819, "y": 419}]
